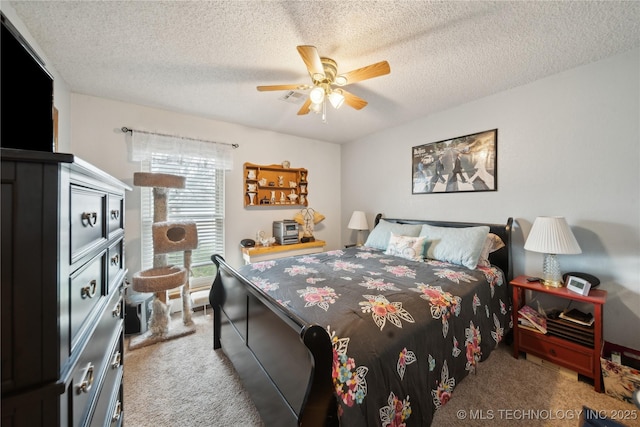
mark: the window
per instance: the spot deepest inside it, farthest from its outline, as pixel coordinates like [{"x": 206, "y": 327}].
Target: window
[{"x": 202, "y": 201}]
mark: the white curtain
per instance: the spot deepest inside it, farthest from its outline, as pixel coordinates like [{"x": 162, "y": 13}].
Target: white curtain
[{"x": 145, "y": 143}]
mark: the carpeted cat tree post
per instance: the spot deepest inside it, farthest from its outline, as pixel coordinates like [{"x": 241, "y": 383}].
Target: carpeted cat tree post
[{"x": 168, "y": 237}]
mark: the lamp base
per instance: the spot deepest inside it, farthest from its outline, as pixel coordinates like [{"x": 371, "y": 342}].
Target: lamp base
[
  {"x": 552, "y": 283},
  {"x": 551, "y": 275}
]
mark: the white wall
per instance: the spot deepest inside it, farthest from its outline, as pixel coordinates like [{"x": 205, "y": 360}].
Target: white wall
[
  {"x": 97, "y": 138},
  {"x": 568, "y": 145}
]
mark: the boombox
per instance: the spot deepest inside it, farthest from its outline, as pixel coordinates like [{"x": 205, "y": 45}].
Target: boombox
[{"x": 285, "y": 232}]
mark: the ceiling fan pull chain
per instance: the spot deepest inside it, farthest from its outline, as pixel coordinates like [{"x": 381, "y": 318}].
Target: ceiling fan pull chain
[{"x": 324, "y": 111}]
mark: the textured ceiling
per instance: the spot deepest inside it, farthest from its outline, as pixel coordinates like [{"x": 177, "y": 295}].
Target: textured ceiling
[{"x": 206, "y": 58}]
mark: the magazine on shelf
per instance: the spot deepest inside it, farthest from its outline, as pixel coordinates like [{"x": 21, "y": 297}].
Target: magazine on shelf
[
  {"x": 578, "y": 317},
  {"x": 525, "y": 324},
  {"x": 538, "y": 320}
]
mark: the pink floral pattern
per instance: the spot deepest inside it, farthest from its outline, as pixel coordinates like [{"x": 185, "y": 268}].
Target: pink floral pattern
[
  {"x": 262, "y": 266},
  {"x": 345, "y": 266},
  {"x": 438, "y": 302},
  {"x": 320, "y": 297},
  {"x": 456, "y": 276},
  {"x": 396, "y": 413},
  {"x": 349, "y": 380},
  {"x": 299, "y": 270},
  {"x": 442, "y": 393},
  {"x": 264, "y": 284},
  {"x": 378, "y": 284},
  {"x": 472, "y": 343},
  {"x": 382, "y": 310},
  {"x": 401, "y": 271},
  {"x": 442, "y": 304},
  {"x": 406, "y": 358}
]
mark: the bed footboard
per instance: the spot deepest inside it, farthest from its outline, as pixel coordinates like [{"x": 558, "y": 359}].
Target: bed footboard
[{"x": 284, "y": 364}]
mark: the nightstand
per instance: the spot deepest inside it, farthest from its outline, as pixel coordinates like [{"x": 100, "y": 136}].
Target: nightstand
[
  {"x": 580, "y": 358},
  {"x": 265, "y": 253}
]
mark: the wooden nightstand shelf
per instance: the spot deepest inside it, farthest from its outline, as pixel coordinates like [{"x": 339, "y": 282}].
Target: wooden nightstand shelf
[
  {"x": 265, "y": 253},
  {"x": 579, "y": 358}
]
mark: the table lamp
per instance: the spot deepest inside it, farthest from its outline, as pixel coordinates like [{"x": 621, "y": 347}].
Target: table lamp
[
  {"x": 308, "y": 217},
  {"x": 358, "y": 222},
  {"x": 551, "y": 236}
]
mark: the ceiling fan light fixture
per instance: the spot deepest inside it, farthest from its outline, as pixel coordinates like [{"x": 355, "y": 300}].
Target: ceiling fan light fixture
[
  {"x": 316, "y": 95},
  {"x": 341, "y": 80},
  {"x": 336, "y": 98},
  {"x": 316, "y": 108}
]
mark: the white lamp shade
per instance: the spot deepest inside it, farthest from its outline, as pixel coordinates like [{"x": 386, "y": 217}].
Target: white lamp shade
[
  {"x": 316, "y": 95},
  {"x": 552, "y": 235},
  {"x": 336, "y": 99},
  {"x": 358, "y": 221}
]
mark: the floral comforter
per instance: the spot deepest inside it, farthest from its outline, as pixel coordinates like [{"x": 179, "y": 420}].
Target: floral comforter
[{"x": 404, "y": 333}]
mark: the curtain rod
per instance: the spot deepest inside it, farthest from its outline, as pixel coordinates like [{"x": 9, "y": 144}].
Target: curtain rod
[{"x": 128, "y": 130}]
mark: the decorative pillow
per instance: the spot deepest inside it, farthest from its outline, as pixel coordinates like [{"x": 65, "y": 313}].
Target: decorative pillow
[
  {"x": 406, "y": 247},
  {"x": 460, "y": 246},
  {"x": 379, "y": 236},
  {"x": 491, "y": 244}
]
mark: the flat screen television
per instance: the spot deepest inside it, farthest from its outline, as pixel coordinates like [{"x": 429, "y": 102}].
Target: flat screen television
[{"x": 26, "y": 92}]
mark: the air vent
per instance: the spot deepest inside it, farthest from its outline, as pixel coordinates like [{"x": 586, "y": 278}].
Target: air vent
[{"x": 294, "y": 97}]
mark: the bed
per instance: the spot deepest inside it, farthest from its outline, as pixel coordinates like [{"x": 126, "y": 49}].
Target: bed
[{"x": 371, "y": 335}]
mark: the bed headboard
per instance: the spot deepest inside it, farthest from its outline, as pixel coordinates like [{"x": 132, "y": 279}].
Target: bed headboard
[{"x": 500, "y": 258}]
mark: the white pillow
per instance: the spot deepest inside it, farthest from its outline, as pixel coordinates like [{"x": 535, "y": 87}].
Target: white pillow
[
  {"x": 406, "y": 247},
  {"x": 460, "y": 246},
  {"x": 491, "y": 244},
  {"x": 379, "y": 236}
]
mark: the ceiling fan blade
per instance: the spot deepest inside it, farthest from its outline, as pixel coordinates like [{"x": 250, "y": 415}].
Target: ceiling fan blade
[
  {"x": 312, "y": 60},
  {"x": 364, "y": 73},
  {"x": 354, "y": 101},
  {"x": 305, "y": 108},
  {"x": 283, "y": 87}
]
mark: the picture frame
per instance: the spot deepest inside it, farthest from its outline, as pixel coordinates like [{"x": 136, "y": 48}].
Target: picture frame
[{"x": 466, "y": 163}]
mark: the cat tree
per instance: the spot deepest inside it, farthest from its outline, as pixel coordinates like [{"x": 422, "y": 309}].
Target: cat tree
[{"x": 168, "y": 237}]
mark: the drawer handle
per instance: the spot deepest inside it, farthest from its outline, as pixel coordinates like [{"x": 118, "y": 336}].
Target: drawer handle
[
  {"x": 115, "y": 260},
  {"x": 87, "y": 382},
  {"x": 115, "y": 363},
  {"x": 117, "y": 413},
  {"x": 552, "y": 352},
  {"x": 89, "y": 218},
  {"x": 117, "y": 310},
  {"x": 115, "y": 214},
  {"x": 89, "y": 291}
]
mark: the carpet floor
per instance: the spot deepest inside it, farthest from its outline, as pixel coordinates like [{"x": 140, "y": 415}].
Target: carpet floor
[{"x": 184, "y": 382}]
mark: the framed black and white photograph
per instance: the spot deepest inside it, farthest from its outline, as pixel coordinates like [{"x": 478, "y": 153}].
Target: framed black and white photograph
[{"x": 463, "y": 164}]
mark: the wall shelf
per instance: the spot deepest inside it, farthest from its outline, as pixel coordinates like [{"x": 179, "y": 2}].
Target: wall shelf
[{"x": 274, "y": 185}]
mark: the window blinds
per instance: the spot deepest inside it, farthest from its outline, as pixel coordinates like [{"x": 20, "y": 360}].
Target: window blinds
[{"x": 202, "y": 201}]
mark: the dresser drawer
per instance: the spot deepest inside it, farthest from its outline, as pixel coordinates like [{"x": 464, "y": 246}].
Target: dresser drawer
[
  {"x": 87, "y": 220},
  {"x": 86, "y": 289},
  {"x": 563, "y": 353},
  {"x": 94, "y": 363},
  {"x": 115, "y": 265},
  {"x": 115, "y": 213},
  {"x": 108, "y": 410}
]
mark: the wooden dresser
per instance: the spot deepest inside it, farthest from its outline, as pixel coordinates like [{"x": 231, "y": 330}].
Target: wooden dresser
[{"x": 62, "y": 291}]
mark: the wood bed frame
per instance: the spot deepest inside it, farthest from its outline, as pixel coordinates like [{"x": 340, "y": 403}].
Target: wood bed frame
[{"x": 284, "y": 363}]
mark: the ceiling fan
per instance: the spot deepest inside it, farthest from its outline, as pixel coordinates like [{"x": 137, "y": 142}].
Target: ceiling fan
[{"x": 327, "y": 84}]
